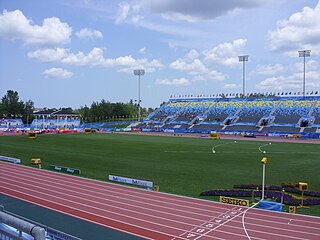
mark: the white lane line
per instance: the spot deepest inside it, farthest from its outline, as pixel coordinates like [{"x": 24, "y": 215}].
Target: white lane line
[
  {"x": 20, "y": 179},
  {"x": 102, "y": 201},
  {"x": 73, "y": 215},
  {"x": 243, "y": 221},
  {"x": 190, "y": 210},
  {"x": 220, "y": 225},
  {"x": 179, "y": 203},
  {"x": 204, "y": 223},
  {"x": 158, "y": 197},
  {"x": 143, "y": 193},
  {"x": 92, "y": 207}
]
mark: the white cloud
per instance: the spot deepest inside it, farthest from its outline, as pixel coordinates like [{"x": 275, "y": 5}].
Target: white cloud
[
  {"x": 200, "y": 65},
  {"x": 174, "y": 82},
  {"x": 130, "y": 14},
  {"x": 215, "y": 75},
  {"x": 294, "y": 80},
  {"x": 89, "y": 33},
  {"x": 225, "y": 53},
  {"x": 191, "y": 55},
  {"x": 269, "y": 69},
  {"x": 48, "y": 55},
  {"x": 15, "y": 26},
  {"x": 300, "y": 31},
  {"x": 123, "y": 12},
  {"x": 142, "y": 50},
  {"x": 148, "y": 66},
  {"x": 57, "y": 73},
  {"x": 280, "y": 83},
  {"x": 195, "y": 67},
  {"x": 94, "y": 58},
  {"x": 230, "y": 86}
]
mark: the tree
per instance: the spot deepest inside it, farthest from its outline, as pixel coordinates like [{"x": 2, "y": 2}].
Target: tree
[
  {"x": 85, "y": 113},
  {"x": 27, "y": 112},
  {"x": 11, "y": 107}
]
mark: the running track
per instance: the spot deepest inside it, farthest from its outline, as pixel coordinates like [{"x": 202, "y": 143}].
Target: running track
[{"x": 147, "y": 214}]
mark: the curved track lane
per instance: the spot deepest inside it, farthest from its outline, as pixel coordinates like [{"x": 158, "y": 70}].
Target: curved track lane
[{"x": 150, "y": 215}]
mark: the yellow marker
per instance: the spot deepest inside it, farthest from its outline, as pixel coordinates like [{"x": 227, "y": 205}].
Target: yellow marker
[{"x": 264, "y": 160}]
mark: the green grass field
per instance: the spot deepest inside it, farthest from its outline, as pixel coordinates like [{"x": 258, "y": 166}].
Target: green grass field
[{"x": 184, "y": 166}]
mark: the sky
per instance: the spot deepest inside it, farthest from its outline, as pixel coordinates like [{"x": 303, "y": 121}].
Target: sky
[{"x": 71, "y": 53}]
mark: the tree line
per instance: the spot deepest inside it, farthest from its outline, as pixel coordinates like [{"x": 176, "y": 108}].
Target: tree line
[
  {"x": 12, "y": 107},
  {"x": 107, "y": 111}
]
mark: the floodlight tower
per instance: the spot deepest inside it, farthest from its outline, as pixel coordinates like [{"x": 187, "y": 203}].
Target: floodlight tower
[
  {"x": 139, "y": 72},
  {"x": 243, "y": 59},
  {"x": 304, "y": 54}
]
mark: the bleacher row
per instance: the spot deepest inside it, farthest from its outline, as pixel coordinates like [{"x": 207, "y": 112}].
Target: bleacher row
[
  {"x": 11, "y": 123},
  {"x": 277, "y": 114},
  {"x": 55, "y": 123}
]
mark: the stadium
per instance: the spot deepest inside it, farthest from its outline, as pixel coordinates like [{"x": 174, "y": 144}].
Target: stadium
[{"x": 169, "y": 148}]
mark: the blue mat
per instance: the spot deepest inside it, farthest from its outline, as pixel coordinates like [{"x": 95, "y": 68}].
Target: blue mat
[{"x": 273, "y": 206}]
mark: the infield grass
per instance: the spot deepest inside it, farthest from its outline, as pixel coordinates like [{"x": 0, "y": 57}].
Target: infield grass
[{"x": 183, "y": 166}]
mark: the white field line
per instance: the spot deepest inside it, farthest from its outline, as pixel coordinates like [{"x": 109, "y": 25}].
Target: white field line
[
  {"x": 222, "y": 144},
  {"x": 264, "y": 145}
]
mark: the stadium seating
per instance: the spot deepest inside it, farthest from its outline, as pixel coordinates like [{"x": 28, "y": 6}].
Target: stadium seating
[
  {"x": 222, "y": 109},
  {"x": 9, "y": 123},
  {"x": 290, "y": 111},
  {"x": 316, "y": 112},
  {"x": 254, "y": 110},
  {"x": 272, "y": 114},
  {"x": 55, "y": 123}
]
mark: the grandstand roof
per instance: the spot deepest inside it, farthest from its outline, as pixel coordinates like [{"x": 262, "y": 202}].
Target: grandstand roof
[{"x": 55, "y": 112}]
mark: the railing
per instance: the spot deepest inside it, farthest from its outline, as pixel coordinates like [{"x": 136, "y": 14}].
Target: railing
[{"x": 15, "y": 227}]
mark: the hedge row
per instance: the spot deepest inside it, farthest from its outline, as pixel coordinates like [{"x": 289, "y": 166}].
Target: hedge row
[
  {"x": 276, "y": 196},
  {"x": 287, "y": 188}
]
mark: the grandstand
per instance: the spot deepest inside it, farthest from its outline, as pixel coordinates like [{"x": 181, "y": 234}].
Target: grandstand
[
  {"x": 52, "y": 118},
  {"x": 11, "y": 123},
  {"x": 257, "y": 115}
]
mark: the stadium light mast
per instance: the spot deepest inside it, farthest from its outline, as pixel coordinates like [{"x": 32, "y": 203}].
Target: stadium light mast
[
  {"x": 304, "y": 54},
  {"x": 138, "y": 72},
  {"x": 243, "y": 59}
]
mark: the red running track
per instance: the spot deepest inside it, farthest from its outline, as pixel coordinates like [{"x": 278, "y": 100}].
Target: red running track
[{"x": 147, "y": 214}]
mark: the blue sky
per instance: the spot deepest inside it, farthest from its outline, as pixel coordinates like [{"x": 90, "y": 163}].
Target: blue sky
[{"x": 69, "y": 53}]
